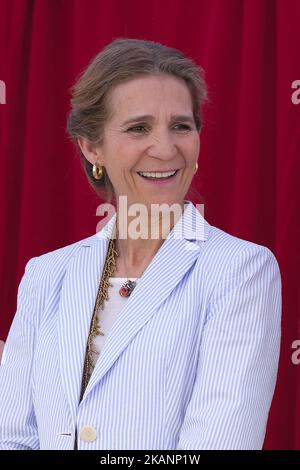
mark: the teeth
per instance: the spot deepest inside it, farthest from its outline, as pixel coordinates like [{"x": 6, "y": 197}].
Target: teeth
[{"x": 157, "y": 174}]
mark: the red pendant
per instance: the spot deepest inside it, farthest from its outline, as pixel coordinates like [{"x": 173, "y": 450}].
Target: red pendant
[
  {"x": 127, "y": 288},
  {"x": 124, "y": 292}
]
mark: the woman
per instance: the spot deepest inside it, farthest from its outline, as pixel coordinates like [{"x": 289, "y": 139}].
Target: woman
[{"x": 141, "y": 341}]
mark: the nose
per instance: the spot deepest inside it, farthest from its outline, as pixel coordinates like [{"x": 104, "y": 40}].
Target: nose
[{"x": 162, "y": 146}]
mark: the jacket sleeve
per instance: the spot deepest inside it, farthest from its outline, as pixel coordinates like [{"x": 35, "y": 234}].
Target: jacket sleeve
[
  {"x": 18, "y": 428},
  {"x": 238, "y": 357}
]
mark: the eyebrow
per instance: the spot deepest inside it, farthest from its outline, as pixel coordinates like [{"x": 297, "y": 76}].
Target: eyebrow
[{"x": 149, "y": 117}]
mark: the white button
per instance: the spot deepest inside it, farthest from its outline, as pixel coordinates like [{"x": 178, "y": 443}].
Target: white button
[{"x": 88, "y": 433}]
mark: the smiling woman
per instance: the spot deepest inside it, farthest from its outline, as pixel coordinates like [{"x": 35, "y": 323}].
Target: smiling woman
[
  {"x": 109, "y": 98},
  {"x": 165, "y": 342}
]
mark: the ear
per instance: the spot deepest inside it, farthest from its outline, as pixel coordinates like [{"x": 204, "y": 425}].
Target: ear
[{"x": 90, "y": 151}]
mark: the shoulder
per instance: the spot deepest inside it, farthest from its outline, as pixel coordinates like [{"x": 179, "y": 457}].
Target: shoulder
[
  {"x": 60, "y": 256},
  {"x": 44, "y": 272},
  {"x": 227, "y": 256},
  {"x": 225, "y": 243},
  {"x": 53, "y": 261},
  {"x": 43, "y": 279},
  {"x": 220, "y": 251}
]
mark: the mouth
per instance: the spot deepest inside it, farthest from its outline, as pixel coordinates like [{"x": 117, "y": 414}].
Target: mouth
[{"x": 158, "y": 176}]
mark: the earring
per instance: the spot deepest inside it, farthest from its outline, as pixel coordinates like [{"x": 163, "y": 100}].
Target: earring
[
  {"x": 97, "y": 172},
  {"x": 196, "y": 168}
]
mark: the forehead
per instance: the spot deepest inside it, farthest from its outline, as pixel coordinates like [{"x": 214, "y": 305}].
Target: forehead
[{"x": 149, "y": 95}]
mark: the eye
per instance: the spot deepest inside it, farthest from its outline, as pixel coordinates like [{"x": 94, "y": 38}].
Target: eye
[
  {"x": 182, "y": 127},
  {"x": 140, "y": 129}
]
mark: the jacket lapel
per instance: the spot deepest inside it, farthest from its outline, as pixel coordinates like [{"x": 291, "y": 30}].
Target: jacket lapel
[
  {"x": 76, "y": 307},
  {"x": 175, "y": 257}
]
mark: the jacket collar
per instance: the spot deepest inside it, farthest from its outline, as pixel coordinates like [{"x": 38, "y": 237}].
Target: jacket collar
[
  {"x": 176, "y": 255},
  {"x": 191, "y": 226}
]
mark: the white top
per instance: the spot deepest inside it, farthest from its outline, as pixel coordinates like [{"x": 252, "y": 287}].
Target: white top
[{"x": 108, "y": 315}]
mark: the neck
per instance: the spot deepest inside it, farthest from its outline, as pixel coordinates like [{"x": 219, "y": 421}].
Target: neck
[{"x": 138, "y": 239}]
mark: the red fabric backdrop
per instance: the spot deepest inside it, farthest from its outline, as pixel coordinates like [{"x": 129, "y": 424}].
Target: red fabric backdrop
[{"x": 249, "y": 166}]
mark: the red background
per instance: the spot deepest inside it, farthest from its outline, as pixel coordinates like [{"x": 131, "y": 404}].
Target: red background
[{"x": 249, "y": 165}]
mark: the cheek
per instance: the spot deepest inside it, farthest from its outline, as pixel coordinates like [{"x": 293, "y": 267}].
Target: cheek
[
  {"x": 196, "y": 142},
  {"x": 192, "y": 151},
  {"x": 125, "y": 155}
]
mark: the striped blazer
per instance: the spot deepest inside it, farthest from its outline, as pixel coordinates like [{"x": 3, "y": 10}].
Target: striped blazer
[{"x": 190, "y": 363}]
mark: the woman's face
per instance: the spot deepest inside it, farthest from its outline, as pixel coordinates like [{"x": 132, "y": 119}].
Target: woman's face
[{"x": 151, "y": 130}]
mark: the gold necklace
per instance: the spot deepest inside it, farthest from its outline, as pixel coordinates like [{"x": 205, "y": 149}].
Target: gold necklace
[{"x": 102, "y": 295}]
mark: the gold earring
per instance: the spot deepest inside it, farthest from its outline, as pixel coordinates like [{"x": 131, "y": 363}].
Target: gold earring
[
  {"x": 196, "y": 168},
  {"x": 97, "y": 172}
]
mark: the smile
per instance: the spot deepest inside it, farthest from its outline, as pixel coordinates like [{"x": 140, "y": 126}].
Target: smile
[{"x": 158, "y": 176}]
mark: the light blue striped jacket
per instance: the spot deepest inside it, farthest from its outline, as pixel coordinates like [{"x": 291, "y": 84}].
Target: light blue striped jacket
[{"x": 191, "y": 362}]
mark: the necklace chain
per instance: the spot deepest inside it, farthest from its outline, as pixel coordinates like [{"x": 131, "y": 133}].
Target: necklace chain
[{"x": 102, "y": 295}]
